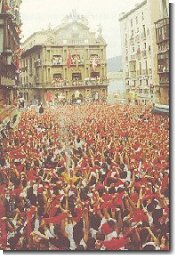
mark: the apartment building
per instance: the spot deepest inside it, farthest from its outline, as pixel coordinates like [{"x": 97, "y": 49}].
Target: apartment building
[
  {"x": 139, "y": 52},
  {"x": 162, "y": 39},
  {"x": 10, "y": 22}
]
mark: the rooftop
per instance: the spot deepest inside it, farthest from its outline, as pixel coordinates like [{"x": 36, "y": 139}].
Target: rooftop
[{"x": 124, "y": 15}]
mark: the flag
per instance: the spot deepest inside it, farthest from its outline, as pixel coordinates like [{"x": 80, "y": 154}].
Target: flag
[
  {"x": 56, "y": 219},
  {"x": 48, "y": 96},
  {"x": 69, "y": 60}
]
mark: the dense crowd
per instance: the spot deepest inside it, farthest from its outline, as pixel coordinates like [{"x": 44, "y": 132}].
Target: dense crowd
[{"x": 85, "y": 178}]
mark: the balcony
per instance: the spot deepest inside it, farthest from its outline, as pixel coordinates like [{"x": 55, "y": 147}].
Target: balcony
[
  {"x": 162, "y": 30},
  {"x": 163, "y": 56},
  {"x": 163, "y": 69},
  {"x": 7, "y": 81},
  {"x": 69, "y": 85},
  {"x": 57, "y": 60},
  {"x": 164, "y": 81},
  {"x": 78, "y": 62}
]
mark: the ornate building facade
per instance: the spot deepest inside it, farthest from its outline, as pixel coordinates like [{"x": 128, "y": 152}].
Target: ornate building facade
[
  {"x": 10, "y": 23},
  {"x": 65, "y": 63}
]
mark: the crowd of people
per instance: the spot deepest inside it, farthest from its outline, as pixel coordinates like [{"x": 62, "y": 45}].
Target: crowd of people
[{"x": 85, "y": 178}]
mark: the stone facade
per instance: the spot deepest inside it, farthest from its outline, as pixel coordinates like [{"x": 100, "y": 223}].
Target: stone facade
[
  {"x": 66, "y": 63},
  {"x": 10, "y": 23},
  {"x": 162, "y": 38},
  {"x": 139, "y": 51}
]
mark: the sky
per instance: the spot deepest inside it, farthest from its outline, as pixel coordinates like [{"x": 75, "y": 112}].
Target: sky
[{"x": 38, "y": 14}]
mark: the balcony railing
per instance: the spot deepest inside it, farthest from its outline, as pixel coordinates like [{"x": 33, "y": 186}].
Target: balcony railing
[
  {"x": 57, "y": 61},
  {"x": 64, "y": 84},
  {"x": 161, "y": 23},
  {"x": 7, "y": 81},
  {"x": 164, "y": 81}
]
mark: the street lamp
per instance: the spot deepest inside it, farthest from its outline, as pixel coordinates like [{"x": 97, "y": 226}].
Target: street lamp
[{"x": 7, "y": 57}]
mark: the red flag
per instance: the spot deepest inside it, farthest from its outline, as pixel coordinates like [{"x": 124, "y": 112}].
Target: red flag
[
  {"x": 69, "y": 60},
  {"x": 116, "y": 244},
  {"x": 56, "y": 219}
]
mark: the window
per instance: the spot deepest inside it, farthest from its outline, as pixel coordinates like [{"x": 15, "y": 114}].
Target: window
[
  {"x": 146, "y": 66},
  {"x": 144, "y": 31},
  {"x": 57, "y": 60},
  {"x": 95, "y": 74},
  {"x": 57, "y": 76},
  {"x": 142, "y": 16},
  {"x": 76, "y": 76},
  {"x": 145, "y": 46},
  {"x": 136, "y": 20}
]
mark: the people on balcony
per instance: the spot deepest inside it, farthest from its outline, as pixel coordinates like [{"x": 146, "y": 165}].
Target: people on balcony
[{"x": 57, "y": 60}]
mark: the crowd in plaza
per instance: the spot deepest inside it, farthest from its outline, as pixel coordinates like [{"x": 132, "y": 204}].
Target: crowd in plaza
[{"x": 88, "y": 177}]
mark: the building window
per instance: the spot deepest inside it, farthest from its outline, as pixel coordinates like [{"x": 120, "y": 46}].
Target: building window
[
  {"x": 146, "y": 67},
  {"x": 57, "y": 60},
  {"x": 144, "y": 31},
  {"x": 95, "y": 74},
  {"x": 142, "y": 16},
  {"x": 136, "y": 20},
  {"x": 76, "y": 76},
  {"x": 57, "y": 76}
]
